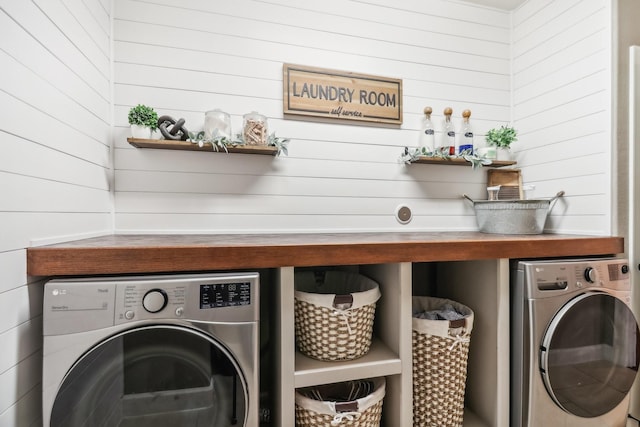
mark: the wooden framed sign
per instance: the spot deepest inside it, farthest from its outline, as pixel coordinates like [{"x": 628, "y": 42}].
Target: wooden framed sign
[{"x": 341, "y": 95}]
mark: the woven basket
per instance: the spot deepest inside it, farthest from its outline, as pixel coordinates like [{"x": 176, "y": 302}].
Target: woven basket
[
  {"x": 440, "y": 354},
  {"x": 334, "y": 313},
  {"x": 350, "y": 404}
]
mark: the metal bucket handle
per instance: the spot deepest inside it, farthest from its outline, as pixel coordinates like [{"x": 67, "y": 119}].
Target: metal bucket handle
[
  {"x": 552, "y": 202},
  {"x": 554, "y": 199}
]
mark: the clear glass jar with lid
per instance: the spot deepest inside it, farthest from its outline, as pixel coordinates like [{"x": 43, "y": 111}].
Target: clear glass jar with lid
[
  {"x": 255, "y": 129},
  {"x": 217, "y": 124}
]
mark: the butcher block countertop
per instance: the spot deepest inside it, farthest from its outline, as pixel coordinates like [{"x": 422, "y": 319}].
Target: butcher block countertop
[{"x": 121, "y": 254}]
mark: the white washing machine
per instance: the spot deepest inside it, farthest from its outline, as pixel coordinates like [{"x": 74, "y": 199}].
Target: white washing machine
[
  {"x": 179, "y": 350},
  {"x": 574, "y": 343}
]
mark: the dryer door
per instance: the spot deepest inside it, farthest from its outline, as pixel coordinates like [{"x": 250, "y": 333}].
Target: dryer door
[
  {"x": 589, "y": 354},
  {"x": 153, "y": 376}
]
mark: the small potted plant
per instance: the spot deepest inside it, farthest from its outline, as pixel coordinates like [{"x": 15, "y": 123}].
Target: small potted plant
[
  {"x": 501, "y": 138},
  {"x": 143, "y": 121}
]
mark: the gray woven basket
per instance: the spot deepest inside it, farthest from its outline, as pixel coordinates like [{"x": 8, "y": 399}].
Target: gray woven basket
[
  {"x": 334, "y": 313},
  {"x": 440, "y": 354}
]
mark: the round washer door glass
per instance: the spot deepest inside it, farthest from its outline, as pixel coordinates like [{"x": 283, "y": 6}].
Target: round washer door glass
[
  {"x": 153, "y": 376},
  {"x": 588, "y": 356}
]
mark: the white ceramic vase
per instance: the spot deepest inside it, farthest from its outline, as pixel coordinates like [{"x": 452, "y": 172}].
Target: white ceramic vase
[
  {"x": 142, "y": 132},
  {"x": 503, "y": 154}
]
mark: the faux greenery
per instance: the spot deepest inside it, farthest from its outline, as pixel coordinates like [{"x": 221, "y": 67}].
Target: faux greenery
[
  {"x": 144, "y": 116},
  {"x": 410, "y": 156},
  {"x": 281, "y": 144},
  {"x": 501, "y": 137},
  {"x": 222, "y": 142}
]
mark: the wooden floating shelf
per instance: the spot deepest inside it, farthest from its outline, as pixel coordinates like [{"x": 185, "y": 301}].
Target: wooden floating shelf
[
  {"x": 454, "y": 161},
  {"x": 167, "y": 144}
]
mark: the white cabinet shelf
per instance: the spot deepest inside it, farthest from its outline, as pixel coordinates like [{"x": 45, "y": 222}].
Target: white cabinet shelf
[{"x": 380, "y": 359}]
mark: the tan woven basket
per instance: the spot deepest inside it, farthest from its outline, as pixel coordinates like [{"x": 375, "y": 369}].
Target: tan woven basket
[
  {"x": 365, "y": 411},
  {"x": 334, "y": 313},
  {"x": 440, "y": 355}
]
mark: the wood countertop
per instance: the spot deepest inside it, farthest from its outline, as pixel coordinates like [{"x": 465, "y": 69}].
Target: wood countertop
[{"x": 121, "y": 254}]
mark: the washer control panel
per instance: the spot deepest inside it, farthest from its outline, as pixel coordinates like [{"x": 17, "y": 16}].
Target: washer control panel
[
  {"x": 228, "y": 294},
  {"x": 548, "y": 278}
]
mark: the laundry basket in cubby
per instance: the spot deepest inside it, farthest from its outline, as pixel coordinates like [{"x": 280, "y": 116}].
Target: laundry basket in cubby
[
  {"x": 441, "y": 331},
  {"x": 334, "y": 313},
  {"x": 356, "y": 403}
]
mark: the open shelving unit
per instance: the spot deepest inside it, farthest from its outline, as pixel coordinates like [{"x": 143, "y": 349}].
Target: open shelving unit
[{"x": 481, "y": 285}]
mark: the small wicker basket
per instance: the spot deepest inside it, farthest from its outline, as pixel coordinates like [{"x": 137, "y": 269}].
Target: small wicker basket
[
  {"x": 440, "y": 354},
  {"x": 350, "y": 404},
  {"x": 334, "y": 313}
]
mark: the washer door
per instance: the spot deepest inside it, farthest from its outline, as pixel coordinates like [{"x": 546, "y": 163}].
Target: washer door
[
  {"x": 589, "y": 354},
  {"x": 153, "y": 376}
]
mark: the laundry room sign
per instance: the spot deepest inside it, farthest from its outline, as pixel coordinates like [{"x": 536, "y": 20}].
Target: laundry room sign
[{"x": 341, "y": 95}]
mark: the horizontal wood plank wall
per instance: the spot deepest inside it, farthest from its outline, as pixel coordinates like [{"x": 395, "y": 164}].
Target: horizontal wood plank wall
[
  {"x": 186, "y": 57},
  {"x": 562, "y": 99},
  {"x": 55, "y": 135}
]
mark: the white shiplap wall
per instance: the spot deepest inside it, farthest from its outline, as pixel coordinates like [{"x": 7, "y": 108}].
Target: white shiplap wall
[
  {"x": 186, "y": 57},
  {"x": 55, "y": 104},
  {"x": 562, "y": 107}
]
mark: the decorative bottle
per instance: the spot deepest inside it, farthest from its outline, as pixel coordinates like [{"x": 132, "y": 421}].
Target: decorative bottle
[
  {"x": 448, "y": 145},
  {"x": 427, "y": 132},
  {"x": 466, "y": 135}
]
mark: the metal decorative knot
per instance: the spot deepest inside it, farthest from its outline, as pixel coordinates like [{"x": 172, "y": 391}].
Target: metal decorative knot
[{"x": 171, "y": 129}]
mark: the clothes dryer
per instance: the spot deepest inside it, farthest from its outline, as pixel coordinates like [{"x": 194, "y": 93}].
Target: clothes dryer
[
  {"x": 574, "y": 343},
  {"x": 175, "y": 350}
]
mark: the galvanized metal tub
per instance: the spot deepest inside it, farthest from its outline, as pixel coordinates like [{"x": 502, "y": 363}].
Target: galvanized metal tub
[{"x": 513, "y": 216}]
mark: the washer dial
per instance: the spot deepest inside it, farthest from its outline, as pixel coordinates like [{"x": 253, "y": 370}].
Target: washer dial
[
  {"x": 154, "y": 300},
  {"x": 590, "y": 274}
]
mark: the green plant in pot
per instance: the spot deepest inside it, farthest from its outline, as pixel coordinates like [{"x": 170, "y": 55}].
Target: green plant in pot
[
  {"x": 502, "y": 138},
  {"x": 143, "y": 120}
]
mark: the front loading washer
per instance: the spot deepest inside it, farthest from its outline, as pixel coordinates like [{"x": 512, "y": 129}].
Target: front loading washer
[
  {"x": 574, "y": 343},
  {"x": 175, "y": 350}
]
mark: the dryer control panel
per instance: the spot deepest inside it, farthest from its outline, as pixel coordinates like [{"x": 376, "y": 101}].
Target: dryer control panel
[
  {"x": 76, "y": 305},
  {"x": 144, "y": 300},
  {"x": 224, "y": 297}
]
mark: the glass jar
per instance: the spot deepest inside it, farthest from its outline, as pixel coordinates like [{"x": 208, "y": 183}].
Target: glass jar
[
  {"x": 217, "y": 124},
  {"x": 255, "y": 129}
]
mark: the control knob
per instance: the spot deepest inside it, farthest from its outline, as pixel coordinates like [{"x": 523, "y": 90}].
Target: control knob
[
  {"x": 590, "y": 274},
  {"x": 154, "y": 300}
]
